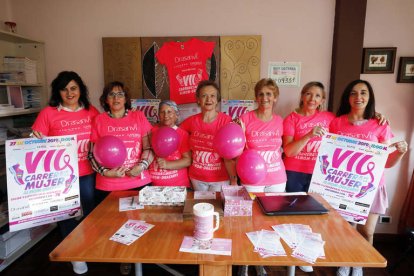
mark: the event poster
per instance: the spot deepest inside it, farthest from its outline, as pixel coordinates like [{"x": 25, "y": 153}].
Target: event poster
[
  {"x": 236, "y": 108},
  {"x": 149, "y": 107},
  {"x": 347, "y": 173},
  {"x": 42, "y": 181}
]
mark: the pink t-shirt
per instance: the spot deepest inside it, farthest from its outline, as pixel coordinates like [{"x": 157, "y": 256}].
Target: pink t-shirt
[
  {"x": 297, "y": 126},
  {"x": 54, "y": 122},
  {"x": 266, "y": 138},
  {"x": 186, "y": 64},
  {"x": 161, "y": 177},
  {"x": 370, "y": 131},
  {"x": 130, "y": 129},
  {"x": 207, "y": 165}
]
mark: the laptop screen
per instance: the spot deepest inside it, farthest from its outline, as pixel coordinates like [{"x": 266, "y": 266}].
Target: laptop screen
[{"x": 290, "y": 205}]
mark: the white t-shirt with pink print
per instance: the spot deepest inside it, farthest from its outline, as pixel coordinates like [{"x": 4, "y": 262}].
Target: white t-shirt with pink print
[
  {"x": 130, "y": 129},
  {"x": 207, "y": 165},
  {"x": 266, "y": 138},
  {"x": 297, "y": 126}
]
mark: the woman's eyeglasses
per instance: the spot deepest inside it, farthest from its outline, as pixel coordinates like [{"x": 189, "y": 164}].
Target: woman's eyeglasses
[{"x": 120, "y": 94}]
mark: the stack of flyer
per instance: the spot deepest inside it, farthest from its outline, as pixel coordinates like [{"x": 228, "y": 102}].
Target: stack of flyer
[
  {"x": 306, "y": 245},
  {"x": 266, "y": 243},
  {"x": 131, "y": 231},
  {"x": 213, "y": 246}
]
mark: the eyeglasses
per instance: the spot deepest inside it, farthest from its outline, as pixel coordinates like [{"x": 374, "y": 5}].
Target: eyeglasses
[{"x": 120, "y": 94}]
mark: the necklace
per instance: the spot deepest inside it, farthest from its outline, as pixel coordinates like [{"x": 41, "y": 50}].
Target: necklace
[{"x": 112, "y": 116}]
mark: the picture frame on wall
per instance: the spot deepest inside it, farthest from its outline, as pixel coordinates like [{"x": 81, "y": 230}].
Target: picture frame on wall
[
  {"x": 379, "y": 60},
  {"x": 406, "y": 70}
]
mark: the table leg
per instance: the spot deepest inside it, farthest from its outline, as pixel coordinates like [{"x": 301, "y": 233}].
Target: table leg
[
  {"x": 216, "y": 270},
  {"x": 138, "y": 269},
  {"x": 291, "y": 270}
]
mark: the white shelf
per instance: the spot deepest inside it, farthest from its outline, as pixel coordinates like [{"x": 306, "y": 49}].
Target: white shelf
[
  {"x": 8, "y": 113},
  {"x": 20, "y": 251},
  {"x": 21, "y": 84},
  {"x": 15, "y": 38}
]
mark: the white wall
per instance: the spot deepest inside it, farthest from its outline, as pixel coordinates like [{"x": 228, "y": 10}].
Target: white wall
[
  {"x": 295, "y": 30},
  {"x": 391, "y": 24}
]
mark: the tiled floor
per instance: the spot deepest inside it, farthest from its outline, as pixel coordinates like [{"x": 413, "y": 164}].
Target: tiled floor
[{"x": 35, "y": 262}]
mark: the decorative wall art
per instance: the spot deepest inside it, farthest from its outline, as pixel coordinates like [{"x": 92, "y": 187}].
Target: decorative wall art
[{"x": 378, "y": 60}]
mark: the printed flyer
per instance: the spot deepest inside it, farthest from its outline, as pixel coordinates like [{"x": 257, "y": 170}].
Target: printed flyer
[
  {"x": 347, "y": 173},
  {"x": 236, "y": 108},
  {"x": 149, "y": 107},
  {"x": 42, "y": 181}
]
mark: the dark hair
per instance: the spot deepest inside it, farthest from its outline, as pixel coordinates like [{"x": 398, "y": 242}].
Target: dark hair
[
  {"x": 345, "y": 107},
  {"x": 266, "y": 82},
  {"x": 205, "y": 83},
  {"x": 308, "y": 86},
  {"x": 108, "y": 88},
  {"x": 60, "y": 83}
]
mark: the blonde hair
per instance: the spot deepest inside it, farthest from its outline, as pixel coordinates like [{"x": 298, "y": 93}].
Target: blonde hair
[{"x": 308, "y": 86}]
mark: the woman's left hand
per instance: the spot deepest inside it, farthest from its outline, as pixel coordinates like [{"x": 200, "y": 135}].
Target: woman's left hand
[
  {"x": 135, "y": 171},
  {"x": 401, "y": 146},
  {"x": 162, "y": 163},
  {"x": 382, "y": 120}
]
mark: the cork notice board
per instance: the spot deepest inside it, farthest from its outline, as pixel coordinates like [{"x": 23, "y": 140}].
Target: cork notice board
[
  {"x": 240, "y": 66},
  {"x": 122, "y": 62},
  {"x": 235, "y": 65}
]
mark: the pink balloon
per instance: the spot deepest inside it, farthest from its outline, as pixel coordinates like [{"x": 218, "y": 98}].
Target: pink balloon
[
  {"x": 229, "y": 141},
  {"x": 110, "y": 151},
  {"x": 165, "y": 141},
  {"x": 251, "y": 167}
]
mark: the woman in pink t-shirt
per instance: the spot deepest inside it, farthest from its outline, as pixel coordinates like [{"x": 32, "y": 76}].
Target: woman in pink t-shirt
[
  {"x": 356, "y": 118},
  {"x": 302, "y": 134},
  {"x": 171, "y": 170},
  {"x": 133, "y": 128},
  {"x": 70, "y": 113},
  {"x": 264, "y": 130},
  {"x": 208, "y": 171}
]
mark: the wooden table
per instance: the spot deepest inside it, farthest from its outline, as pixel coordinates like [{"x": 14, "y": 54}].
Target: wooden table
[{"x": 90, "y": 240}]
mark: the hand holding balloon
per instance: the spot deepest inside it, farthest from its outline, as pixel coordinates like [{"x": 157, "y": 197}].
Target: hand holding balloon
[
  {"x": 165, "y": 141},
  {"x": 110, "y": 152},
  {"x": 229, "y": 141},
  {"x": 251, "y": 167}
]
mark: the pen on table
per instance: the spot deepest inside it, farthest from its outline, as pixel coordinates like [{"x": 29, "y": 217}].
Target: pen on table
[
  {"x": 132, "y": 201},
  {"x": 293, "y": 202}
]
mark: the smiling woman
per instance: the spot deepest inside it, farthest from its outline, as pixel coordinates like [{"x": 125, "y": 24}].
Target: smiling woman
[{"x": 70, "y": 113}]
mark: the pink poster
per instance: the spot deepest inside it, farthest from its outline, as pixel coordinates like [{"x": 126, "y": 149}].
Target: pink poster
[
  {"x": 42, "y": 181},
  {"x": 347, "y": 174}
]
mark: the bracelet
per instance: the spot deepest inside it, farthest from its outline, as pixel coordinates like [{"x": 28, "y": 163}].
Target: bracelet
[
  {"x": 144, "y": 163},
  {"x": 102, "y": 171}
]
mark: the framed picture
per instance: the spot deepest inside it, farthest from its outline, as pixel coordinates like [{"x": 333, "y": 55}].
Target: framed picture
[
  {"x": 378, "y": 60},
  {"x": 406, "y": 70}
]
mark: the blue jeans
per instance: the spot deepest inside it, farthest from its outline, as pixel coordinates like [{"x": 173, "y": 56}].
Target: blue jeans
[
  {"x": 297, "y": 181},
  {"x": 87, "y": 198}
]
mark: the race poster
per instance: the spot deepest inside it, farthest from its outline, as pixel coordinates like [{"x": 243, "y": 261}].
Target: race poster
[
  {"x": 347, "y": 173},
  {"x": 42, "y": 181},
  {"x": 236, "y": 108},
  {"x": 149, "y": 107}
]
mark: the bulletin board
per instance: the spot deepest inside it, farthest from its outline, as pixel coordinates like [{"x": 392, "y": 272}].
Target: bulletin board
[
  {"x": 240, "y": 66},
  {"x": 122, "y": 62},
  {"x": 234, "y": 65}
]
